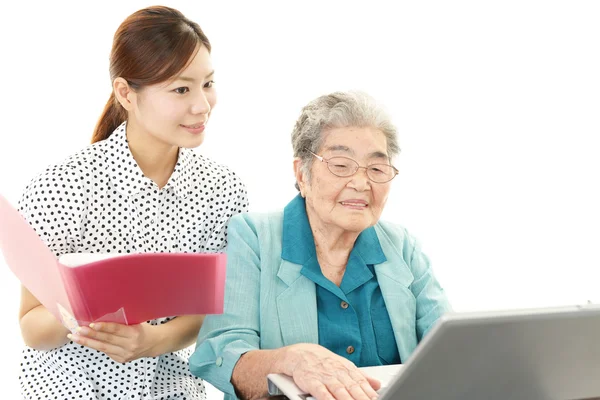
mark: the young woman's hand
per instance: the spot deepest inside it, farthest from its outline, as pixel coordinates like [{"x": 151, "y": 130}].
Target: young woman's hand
[{"x": 122, "y": 343}]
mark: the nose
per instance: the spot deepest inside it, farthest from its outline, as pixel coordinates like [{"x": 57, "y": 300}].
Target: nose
[
  {"x": 200, "y": 104},
  {"x": 360, "y": 181}
]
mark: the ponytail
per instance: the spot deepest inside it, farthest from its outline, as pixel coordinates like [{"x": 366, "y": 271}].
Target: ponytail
[{"x": 112, "y": 116}]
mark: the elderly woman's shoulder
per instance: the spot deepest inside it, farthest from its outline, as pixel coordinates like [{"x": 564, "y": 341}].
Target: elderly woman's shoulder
[
  {"x": 259, "y": 223},
  {"x": 396, "y": 236},
  {"x": 392, "y": 229}
]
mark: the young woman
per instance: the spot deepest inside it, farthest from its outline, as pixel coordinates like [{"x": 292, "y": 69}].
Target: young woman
[{"x": 138, "y": 188}]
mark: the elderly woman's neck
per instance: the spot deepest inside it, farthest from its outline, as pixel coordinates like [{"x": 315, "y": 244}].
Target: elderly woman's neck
[
  {"x": 333, "y": 245},
  {"x": 334, "y": 240}
]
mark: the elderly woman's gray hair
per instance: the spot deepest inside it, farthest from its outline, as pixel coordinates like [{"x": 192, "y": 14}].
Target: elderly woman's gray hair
[{"x": 339, "y": 110}]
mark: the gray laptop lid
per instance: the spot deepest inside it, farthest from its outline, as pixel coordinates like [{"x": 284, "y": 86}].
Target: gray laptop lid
[{"x": 542, "y": 354}]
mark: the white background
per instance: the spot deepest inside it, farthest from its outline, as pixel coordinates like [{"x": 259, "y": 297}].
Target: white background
[{"x": 497, "y": 106}]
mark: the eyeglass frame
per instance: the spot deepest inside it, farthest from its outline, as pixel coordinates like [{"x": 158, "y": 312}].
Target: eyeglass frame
[{"x": 358, "y": 166}]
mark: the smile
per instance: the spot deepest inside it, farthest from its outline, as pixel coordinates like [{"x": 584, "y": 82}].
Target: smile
[
  {"x": 196, "y": 126},
  {"x": 355, "y": 205}
]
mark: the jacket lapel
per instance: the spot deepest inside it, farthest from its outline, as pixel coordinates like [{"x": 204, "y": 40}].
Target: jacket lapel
[
  {"x": 297, "y": 306},
  {"x": 394, "y": 278}
]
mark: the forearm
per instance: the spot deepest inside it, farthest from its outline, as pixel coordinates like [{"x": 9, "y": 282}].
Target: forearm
[
  {"x": 41, "y": 330},
  {"x": 249, "y": 377},
  {"x": 176, "y": 334}
]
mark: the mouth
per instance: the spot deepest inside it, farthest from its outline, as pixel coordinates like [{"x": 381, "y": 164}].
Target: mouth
[
  {"x": 195, "y": 126},
  {"x": 355, "y": 204},
  {"x": 195, "y": 129}
]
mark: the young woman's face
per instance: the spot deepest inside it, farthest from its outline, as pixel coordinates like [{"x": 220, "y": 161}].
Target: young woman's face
[{"x": 176, "y": 112}]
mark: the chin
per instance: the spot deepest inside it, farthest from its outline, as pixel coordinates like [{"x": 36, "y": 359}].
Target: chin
[
  {"x": 355, "y": 226},
  {"x": 193, "y": 142}
]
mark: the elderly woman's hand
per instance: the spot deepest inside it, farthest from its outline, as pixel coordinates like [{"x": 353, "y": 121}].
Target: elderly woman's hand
[{"x": 325, "y": 375}]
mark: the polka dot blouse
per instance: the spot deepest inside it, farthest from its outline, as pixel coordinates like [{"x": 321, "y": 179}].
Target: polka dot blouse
[{"x": 99, "y": 201}]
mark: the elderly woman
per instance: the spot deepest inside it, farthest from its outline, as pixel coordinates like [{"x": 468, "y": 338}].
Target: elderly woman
[{"x": 323, "y": 287}]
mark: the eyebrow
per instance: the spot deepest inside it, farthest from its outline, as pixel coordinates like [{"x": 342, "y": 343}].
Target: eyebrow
[
  {"x": 337, "y": 147},
  {"x": 190, "y": 79}
]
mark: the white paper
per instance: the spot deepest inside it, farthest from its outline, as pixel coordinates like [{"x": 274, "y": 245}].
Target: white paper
[{"x": 78, "y": 259}]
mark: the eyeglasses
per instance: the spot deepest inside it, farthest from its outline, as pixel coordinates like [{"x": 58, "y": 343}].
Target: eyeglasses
[{"x": 345, "y": 167}]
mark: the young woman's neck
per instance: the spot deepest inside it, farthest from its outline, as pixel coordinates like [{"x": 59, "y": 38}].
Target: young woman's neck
[{"x": 155, "y": 158}]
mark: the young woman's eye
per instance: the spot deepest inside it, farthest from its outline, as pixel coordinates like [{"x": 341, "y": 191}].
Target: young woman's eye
[
  {"x": 209, "y": 84},
  {"x": 182, "y": 90}
]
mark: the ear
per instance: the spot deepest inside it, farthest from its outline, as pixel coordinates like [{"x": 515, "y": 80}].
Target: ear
[
  {"x": 124, "y": 94},
  {"x": 299, "y": 174}
]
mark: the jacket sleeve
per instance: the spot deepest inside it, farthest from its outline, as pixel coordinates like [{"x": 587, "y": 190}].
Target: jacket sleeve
[
  {"x": 432, "y": 302},
  {"x": 224, "y": 338}
]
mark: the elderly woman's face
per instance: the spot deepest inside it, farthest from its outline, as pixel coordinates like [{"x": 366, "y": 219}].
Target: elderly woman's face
[{"x": 352, "y": 203}]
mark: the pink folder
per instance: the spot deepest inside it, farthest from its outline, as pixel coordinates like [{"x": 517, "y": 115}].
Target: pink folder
[{"x": 127, "y": 289}]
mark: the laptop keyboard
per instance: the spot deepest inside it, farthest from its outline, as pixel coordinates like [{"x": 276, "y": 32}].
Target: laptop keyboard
[
  {"x": 385, "y": 375},
  {"x": 380, "y": 392}
]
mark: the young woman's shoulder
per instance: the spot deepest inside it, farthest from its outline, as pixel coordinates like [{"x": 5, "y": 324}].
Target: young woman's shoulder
[
  {"x": 210, "y": 173},
  {"x": 202, "y": 163},
  {"x": 70, "y": 177},
  {"x": 91, "y": 157}
]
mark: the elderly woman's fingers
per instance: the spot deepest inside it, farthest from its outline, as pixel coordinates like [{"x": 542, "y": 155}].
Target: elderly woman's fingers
[
  {"x": 328, "y": 376},
  {"x": 340, "y": 392},
  {"x": 371, "y": 385},
  {"x": 338, "y": 389},
  {"x": 319, "y": 391},
  {"x": 375, "y": 384},
  {"x": 324, "y": 384},
  {"x": 357, "y": 384}
]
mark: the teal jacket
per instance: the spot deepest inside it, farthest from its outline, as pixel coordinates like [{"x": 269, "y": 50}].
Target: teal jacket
[{"x": 270, "y": 304}]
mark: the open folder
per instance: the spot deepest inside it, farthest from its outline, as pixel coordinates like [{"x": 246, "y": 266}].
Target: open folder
[{"x": 82, "y": 288}]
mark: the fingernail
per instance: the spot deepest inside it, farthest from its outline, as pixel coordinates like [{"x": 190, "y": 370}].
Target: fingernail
[
  {"x": 70, "y": 336},
  {"x": 78, "y": 329},
  {"x": 92, "y": 325}
]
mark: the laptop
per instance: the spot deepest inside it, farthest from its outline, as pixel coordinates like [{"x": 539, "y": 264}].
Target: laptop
[{"x": 535, "y": 354}]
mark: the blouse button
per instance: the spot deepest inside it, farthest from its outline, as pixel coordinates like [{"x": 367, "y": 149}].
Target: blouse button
[
  {"x": 344, "y": 305},
  {"x": 350, "y": 349}
]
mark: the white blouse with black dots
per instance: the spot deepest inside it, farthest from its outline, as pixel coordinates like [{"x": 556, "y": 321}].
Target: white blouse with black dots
[{"x": 99, "y": 201}]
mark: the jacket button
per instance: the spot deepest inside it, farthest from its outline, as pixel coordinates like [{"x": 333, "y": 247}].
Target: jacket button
[
  {"x": 350, "y": 349},
  {"x": 344, "y": 305}
]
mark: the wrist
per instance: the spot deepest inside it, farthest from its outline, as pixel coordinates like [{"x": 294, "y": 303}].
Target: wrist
[
  {"x": 157, "y": 340},
  {"x": 285, "y": 360}
]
